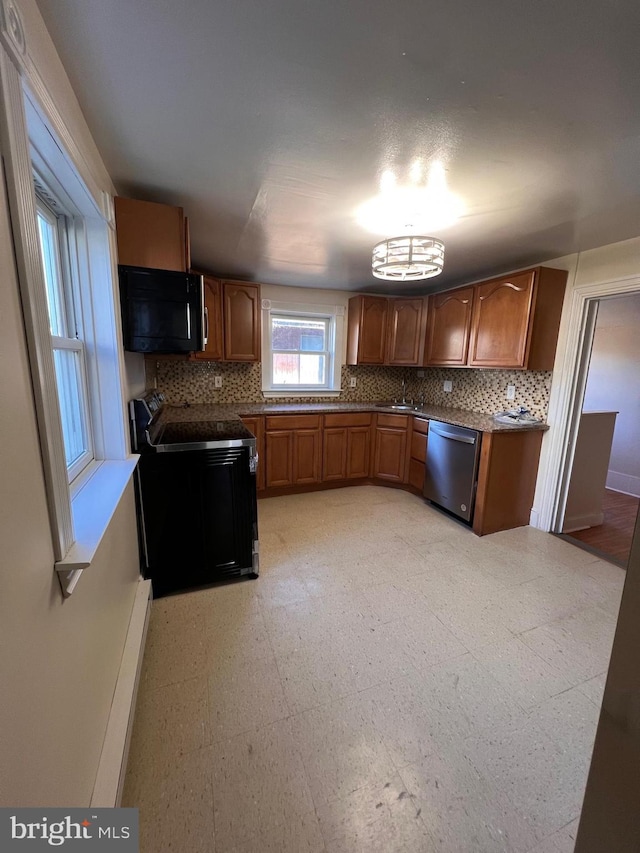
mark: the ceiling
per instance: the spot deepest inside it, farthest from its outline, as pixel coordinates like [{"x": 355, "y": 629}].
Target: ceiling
[{"x": 270, "y": 121}]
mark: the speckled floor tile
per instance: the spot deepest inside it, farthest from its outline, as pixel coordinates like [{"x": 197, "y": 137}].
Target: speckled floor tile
[
  {"x": 579, "y": 646},
  {"x": 594, "y": 688},
  {"x": 170, "y": 721},
  {"x": 463, "y": 811},
  {"x": 341, "y": 750},
  {"x": 262, "y": 797},
  {"x": 244, "y": 694},
  {"x": 379, "y": 818},
  {"x": 390, "y": 683},
  {"x": 528, "y": 678},
  {"x": 176, "y": 806}
]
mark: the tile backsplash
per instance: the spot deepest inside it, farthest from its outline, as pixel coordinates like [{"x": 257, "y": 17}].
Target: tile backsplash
[{"x": 477, "y": 390}]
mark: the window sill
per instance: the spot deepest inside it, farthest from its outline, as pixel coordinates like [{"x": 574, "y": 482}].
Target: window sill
[
  {"x": 269, "y": 395},
  {"x": 92, "y": 507}
]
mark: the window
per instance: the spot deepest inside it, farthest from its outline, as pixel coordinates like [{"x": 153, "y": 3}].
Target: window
[
  {"x": 64, "y": 311},
  {"x": 299, "y": 349}
]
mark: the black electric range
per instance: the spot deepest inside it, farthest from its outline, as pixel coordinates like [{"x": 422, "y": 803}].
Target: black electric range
[{"x": 197, "y": 505}]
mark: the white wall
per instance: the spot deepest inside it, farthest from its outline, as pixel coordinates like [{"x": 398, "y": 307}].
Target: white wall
[
  {"x": 614, "y": 385},
  {"x": 59, "y": 659}
]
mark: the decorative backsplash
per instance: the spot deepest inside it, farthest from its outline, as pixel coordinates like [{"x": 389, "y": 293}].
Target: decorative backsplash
[{"x": 473, "y": 389}]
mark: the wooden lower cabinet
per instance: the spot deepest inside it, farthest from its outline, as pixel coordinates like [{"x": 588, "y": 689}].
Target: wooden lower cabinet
[
  {"x": 303, "y": 450},
  {"x": 294, "y": 455},
  {"x": 346, "y": 447},
  {"x": 390, "y": 448},
  {"x": 506, "y": 480},
  {"x": 418, "y": 453}
]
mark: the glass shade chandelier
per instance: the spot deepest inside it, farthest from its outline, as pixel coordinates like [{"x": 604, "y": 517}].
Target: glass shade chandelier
[{"x": 408, "y": 258}]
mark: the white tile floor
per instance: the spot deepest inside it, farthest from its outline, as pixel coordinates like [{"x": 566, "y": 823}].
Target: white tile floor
[{"x": 391, "y": 682}]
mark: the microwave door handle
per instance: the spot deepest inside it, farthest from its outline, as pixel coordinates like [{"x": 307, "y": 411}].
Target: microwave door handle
[
  {"x": 188, "y": 321},
  {"x": 204, "y": 315}
]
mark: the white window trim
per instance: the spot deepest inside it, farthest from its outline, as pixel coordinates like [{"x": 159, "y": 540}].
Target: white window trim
[
  {"x": 34, "y": 136},
  {"x": 335, "y": 313}
]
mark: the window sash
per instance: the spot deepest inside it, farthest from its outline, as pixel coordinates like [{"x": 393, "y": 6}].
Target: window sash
[
  {"x": 328, "y": 352},
  {"x": 71, "y": 375}
]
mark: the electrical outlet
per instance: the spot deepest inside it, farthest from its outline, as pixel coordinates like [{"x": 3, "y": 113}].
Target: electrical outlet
[
  {"x": 448, "y": 386},
  {"x": 217, "y": 381},
  {"x": 420, "y": 374},
  {"x": 353, "y": 382},
  {"x": 511, "y": 392}
]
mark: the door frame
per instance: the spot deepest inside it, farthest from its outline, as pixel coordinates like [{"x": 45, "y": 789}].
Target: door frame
[{"x": 567, "y": 394}]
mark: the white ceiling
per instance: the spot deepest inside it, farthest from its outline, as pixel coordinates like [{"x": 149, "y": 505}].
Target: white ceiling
[{"x": 271, "y": 120}]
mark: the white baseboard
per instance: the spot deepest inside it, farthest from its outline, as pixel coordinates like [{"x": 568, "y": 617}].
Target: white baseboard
[
  {"x": 581, "y": 522},
  {"x": 107, "y": 791},
  {"x": 625, "y": 483}
]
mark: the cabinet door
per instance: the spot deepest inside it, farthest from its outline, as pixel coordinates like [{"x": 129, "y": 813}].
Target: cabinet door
[
  {"x": 307, "y": 456},
  {"x": 241, "y": 313},
  {"x": 500, "y": 324},
  {"x": 334, "y": 461},
  {"x": 373, "y": 330},
  {"x": 448, "y": 327},
  {"x": 279, "y": 453},
  {"x": 390, "y": 454},
  {"x": 150, "y": 235},
  {"x": 406, "y": 332},
  {"x": 213, "y": 321},
  {"x": 416, "y": 474},
  {"x": 358, "y": 452}
]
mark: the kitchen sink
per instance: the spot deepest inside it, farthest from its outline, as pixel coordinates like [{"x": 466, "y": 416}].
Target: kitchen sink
[{"x": 400, "y": 407}]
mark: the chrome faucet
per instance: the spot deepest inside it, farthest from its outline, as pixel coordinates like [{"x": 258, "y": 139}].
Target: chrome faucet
[{"x": 404, "y": 390}]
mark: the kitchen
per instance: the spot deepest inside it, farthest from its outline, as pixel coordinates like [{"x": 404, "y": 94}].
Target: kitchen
[{"x": 73, "y": 649}]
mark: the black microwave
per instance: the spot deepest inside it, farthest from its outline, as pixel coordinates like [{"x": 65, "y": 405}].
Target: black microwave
[{"x": 162, "y": 310}]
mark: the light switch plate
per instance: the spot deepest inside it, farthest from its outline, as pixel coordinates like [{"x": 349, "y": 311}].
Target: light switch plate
[
  {"x": 420, "y": 374},
  {"x": 448, "y": 386},
  {"x": 353, "y": 382},
  {"x": 511, "y": 392},
  {"x": 217, "y": 381}
]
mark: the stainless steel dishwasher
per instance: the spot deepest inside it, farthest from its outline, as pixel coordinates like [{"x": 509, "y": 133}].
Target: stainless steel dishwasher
[{"x": 452, "y": 468}]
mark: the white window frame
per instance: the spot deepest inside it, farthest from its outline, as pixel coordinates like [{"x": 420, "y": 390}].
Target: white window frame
[
  {"x": 35, "y": 138},
  {"x": 334, "y": 316},
  {"x": 61, "y": 222}
]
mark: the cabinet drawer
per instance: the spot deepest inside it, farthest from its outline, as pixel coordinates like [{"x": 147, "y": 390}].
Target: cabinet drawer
[
  {"x": 397, "y": 421},
  {"x": 293, "y": 422},
  {"x": 348, "y": 419},
  {"x": 419, "y": 447},
  {"x": 421, "y": 425}
]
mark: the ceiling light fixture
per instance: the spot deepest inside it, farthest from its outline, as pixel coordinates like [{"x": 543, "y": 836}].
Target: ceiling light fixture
[{"x": 408, "y": 258}]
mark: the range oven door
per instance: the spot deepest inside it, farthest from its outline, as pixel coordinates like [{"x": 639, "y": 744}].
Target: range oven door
[{"x": 200, "y": 517}]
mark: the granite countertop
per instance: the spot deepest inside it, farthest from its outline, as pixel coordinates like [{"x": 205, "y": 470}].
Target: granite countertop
[{"x": 233, "y": 411}]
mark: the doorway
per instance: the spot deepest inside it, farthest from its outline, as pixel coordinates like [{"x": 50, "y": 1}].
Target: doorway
[{"x": 602, "y": 495}]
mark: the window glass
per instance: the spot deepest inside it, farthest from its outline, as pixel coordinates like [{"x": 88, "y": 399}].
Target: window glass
[
  {"x": 300, "y": 351},
  {"x": 72, "y": 405},
  {"x": 68, "y": 349}
]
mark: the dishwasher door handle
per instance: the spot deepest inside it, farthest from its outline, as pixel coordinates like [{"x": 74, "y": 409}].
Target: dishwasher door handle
[{"x": 465, "y": 439}]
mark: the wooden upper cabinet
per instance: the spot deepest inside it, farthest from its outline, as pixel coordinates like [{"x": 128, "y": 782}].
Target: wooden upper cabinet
[
  {"x": 151, "y": 235},
  {"x": 500, "y": 323},
  {"x": 213, "y": 350},
  {"x": 448, "y": 327},
  {"x": 406, "y": 332},
  {"x": 367, "y": 330},
  {"x": 241, "y": 316}
]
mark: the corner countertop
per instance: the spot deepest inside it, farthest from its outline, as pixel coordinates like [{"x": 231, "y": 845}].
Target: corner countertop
[{"x": 233, "y": 411}]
